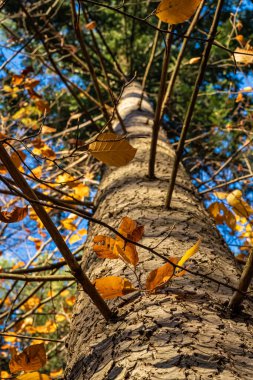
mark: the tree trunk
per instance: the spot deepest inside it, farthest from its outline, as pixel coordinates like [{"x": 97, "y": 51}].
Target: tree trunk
[{"x": 183, "y": 331}]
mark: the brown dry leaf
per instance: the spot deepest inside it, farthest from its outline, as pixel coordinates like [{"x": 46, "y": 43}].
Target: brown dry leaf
[
  {"x": 42, "y": 105},
  {"x": 31, "y": 359},
  {"x": 113, "y": 286},
  {"x": 176, "y": 11},
  {"x": 33, "y": 376},
  {"x": 161, "y": 275},
  {"x": 91, "y": 25},
  {"x": 112, "y": 149},
  {"x": 243, "y": 56},
  {"x": 16, "y": 215},
  {"x": 241, "y": 258}
]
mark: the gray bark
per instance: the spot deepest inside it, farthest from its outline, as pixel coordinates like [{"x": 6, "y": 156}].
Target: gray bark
[{"x": 183, "y": 332}]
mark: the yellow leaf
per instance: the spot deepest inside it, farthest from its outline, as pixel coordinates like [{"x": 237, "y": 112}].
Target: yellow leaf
[
  {"x": 10, "y": 339},
  {"x": 176, "y": 11},
  {"x": 74, "y": 238},
  {"x": 70, "y": 301},
  {"x": 32, "y": 358},
  {"x": 189, "y": 253},
  {"x": 68, "y": 223},
  {"x": 5, "y": 375},
  {"x": 240, "y": 207},
  {"x": 37, "y": 171},
  {"x": 31, "y": 303},
  {"x": 56, "y": 373},
  {"x": 16, "y": 215},
  {"x": 80, "y": 191},
  {"x": 60, "y": 318},
  {"x": 48, "y": 327},
  {"x": 161, "y": 275},
  {"x": 113, "y": 286},
  {"x": 247, "y": 89},
  {"x": 112, "y": 149},
  {"x": 65, "y": 293},
  {"x": 33, "y": 376},
  {"x": 243, "y": 56}
]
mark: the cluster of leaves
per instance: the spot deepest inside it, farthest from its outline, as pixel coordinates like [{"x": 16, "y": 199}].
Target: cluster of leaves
[
  {"x": 118, "y": 248},
  {"x": 233, "y": 211}
]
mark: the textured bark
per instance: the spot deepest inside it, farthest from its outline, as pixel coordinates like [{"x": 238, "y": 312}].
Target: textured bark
[{"x": 183, "y": 332}]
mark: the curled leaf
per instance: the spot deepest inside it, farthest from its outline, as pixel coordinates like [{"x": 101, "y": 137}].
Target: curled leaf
[
  {"x": 189, "y": 253},
  {"x": 113, "y": 286},
  {"x": 16, "y": 215}
]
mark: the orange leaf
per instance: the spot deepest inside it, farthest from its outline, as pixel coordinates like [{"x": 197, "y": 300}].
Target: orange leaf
[
  {"x": 91, "y": 25},
  {"x": 127, "y": 251},
  {"x": 113, "y": 286},
  {"x": 161, "y": 275},
  {"x": 31, "y": 359},
  {"x": 105, "y": 248},
  {"x": 239, "y": 98},
  {"x": 194, "y": 60},
  {"x": 16, "y": 215},
  {"x": 48, "y": 327},
  {"x": 56, "y": 373},
  {"x": 176, "y": 11},
  {"x": 16, "y": 80},
  {"x": 128, "y": 228}
]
